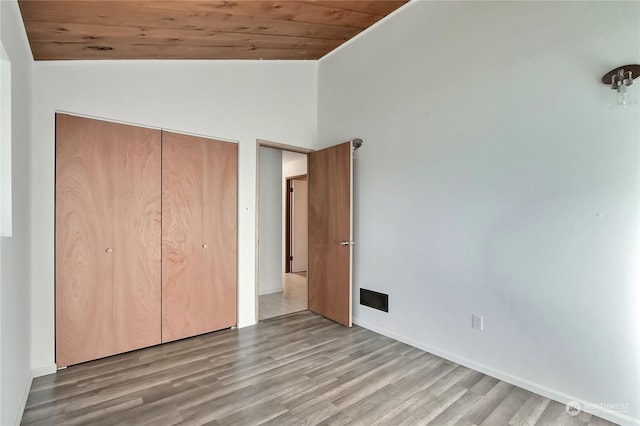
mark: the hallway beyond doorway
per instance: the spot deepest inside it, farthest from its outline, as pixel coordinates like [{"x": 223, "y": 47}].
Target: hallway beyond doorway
[{"x": 292, "y": 299}]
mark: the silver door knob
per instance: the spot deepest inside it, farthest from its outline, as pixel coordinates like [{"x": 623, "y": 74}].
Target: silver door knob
[
  {"x": 109, "y": 250},
  {"x": 347, "y": 243},
  {"x": 204, "y": 246}
]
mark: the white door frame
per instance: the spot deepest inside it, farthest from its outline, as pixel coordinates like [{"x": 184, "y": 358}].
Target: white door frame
[{"x": 282, "y": 147}]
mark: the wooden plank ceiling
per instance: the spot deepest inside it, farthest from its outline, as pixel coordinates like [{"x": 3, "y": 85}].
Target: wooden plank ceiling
[{"x": 243, "y": 29}]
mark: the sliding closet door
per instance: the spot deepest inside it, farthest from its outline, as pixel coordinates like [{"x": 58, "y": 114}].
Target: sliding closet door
[
  {"x": 84, "y": 232},
  {"x": 137, "y": 199},
  {"x": 107, "y": 238},
  {"x": 219, "y": 230},
  {"x": 199, "y": 226}
]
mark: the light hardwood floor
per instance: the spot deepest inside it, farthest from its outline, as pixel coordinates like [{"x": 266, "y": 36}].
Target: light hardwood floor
[
  {"x": 293, "y": 298},
  {"x": 300, "y": 369}
]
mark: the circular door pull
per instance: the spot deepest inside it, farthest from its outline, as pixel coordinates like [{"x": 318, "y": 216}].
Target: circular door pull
[
  {"x": 204, "y": 246},
  {"x": 109, "y": 250}
]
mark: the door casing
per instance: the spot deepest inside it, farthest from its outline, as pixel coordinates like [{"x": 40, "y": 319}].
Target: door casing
[
  {"x": 290, "y": 220},
  {"x": 347, "y": 147}
]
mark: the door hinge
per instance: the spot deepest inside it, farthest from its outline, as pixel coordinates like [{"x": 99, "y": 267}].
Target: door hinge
[{"x": 290, "y": 257}]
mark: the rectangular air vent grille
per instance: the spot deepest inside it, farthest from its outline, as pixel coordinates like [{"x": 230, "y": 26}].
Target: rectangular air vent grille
[{"x": 374, "y": 300}]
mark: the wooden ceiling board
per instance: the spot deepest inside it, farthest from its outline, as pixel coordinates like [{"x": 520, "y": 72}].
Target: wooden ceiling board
[
  {"x": 70, "y": 52},
  {"x": 245, "y": 29},
  {"x": 179, "y": 13},
  {"x": 370, "y": 6},
  {"x": 291, "y": 10}
]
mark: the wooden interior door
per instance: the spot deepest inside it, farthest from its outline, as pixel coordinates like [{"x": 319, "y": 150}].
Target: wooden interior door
[
  {"x": 330, "y": 177},
  {"x": 199, "y": 228},
  {"x": 107, "y": 238}
]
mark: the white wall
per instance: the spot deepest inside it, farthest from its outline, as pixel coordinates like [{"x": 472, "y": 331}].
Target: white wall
[
  {"x": 270, "y": 221},
  {"x": 15, "y": 368},
  {"x": 5, "y": 144},
  {"x": 293, "y": 164},
  {"x": 235, "y": 100},
  {"x": 495, "y": 180}
]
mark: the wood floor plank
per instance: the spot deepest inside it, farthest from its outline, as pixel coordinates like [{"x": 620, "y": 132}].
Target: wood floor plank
[
  {"x": 484, "y": 385},
  {"x": 597, "y": 421},
  {"x": 103, "y": 409},
  {"x": 427, "y": 412},
  {"x": 312, "y": 390},
  {"x": 253, "y": 415},
  {"x": 299, "y": 369},
  {"x": 507, "y": 408},
  {"x": 454, "y": 376},
  {"x": 43, "y": 412},
  {"x": 530, "y": 411},
  {"x": 314, "y": 411},
  {"x": 454, "y": 412},
  {"x": 417, "y": 380},
  {"x": 285, "y": 419},
  {"x": 376, "y": 405},
  {"x": 407, "y": 408},
  {"x": 338, "y": 419},
  {"x": 355, "y": 392},
  {"x": 488, "y": 403},
  {"x": 555, "y": 414}
]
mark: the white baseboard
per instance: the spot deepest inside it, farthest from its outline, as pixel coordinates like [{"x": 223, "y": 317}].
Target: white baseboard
[
  {"x": 25, "y": 396},
  {"x": 36, "y": 372},
  {"x": 44, "y": 371},
  {"x": 553, "y": 394}
]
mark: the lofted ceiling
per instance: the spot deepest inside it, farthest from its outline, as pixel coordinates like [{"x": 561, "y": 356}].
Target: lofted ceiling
[{"x": 242, "y": 29}]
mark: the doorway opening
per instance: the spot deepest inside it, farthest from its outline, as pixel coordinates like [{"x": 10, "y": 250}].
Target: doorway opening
[{"x": 282, "y": 286}]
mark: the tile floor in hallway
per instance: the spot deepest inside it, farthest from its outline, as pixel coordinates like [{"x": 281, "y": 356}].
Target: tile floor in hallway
[{"x": 292, "y": 299}]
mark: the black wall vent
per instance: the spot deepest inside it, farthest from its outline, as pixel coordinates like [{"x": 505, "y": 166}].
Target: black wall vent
[{"x": 374, "y": 300}]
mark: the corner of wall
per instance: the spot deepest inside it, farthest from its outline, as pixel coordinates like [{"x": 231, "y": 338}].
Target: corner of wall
[{"x": 15, "y": 257}]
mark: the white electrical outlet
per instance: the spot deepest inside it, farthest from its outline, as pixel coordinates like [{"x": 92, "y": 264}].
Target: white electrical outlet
[{"x": 477, "y": 322}]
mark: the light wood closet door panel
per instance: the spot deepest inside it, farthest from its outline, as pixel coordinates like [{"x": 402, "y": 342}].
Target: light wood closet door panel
[
  {"x": 199, "y": 195},
  {"x": 84, "y": 295},
  {"x": 137, "y": 226},
  {"x": 220, "y": 212},
  {"x": 105, "y": 226}
]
